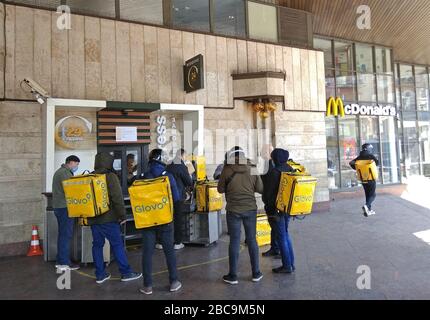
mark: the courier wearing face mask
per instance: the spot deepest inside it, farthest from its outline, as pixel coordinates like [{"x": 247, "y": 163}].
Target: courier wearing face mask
[{"x": 65, "y": 224}]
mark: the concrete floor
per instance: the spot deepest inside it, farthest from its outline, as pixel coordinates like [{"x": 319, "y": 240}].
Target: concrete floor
[{"x": 329, "y": 248}]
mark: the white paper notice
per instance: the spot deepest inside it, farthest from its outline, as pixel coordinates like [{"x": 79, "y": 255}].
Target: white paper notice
[{"x": 126, "y": 134}]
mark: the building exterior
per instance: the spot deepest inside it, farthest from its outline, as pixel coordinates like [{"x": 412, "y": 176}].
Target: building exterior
[
  {"x": 129, "y": 55},
  {"x": 103, "y": 60}
]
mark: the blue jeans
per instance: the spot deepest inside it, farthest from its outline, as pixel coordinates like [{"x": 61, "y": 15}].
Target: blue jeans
[
  {"x": 285, "y": 242},
  {"x": 112, "y": 232},
  {"x": 234, "y": 222},
  {"x": 65, "y": 234},
  {"x": 164, "y": 234},
  {"x": 273, "y": 235},
  {"x": 370, "y": 192}
]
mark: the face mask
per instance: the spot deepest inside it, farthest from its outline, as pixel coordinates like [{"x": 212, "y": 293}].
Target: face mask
[{"x": 75, "y": 169}]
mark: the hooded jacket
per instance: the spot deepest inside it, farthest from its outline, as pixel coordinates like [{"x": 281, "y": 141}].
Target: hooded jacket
[
  {"x": 273, "y": 178},
  {"x": 240, "y": 191},
  {"x": 158, "y": 169},
  {"x": 104, "y": 165},
  {"x": 58, "y": 197},
  {"x": 182, "y": 177}
]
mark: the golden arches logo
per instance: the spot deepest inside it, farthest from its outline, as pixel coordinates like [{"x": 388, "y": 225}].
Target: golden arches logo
[{"x": 335, "y": 106}]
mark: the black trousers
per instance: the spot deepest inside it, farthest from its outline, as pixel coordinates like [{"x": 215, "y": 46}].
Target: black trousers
[
  {"x": 370, "y": 192},
  {"x": 178, "y": 221}
]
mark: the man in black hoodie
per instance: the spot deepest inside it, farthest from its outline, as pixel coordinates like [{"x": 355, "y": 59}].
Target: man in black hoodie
[
  {"x": 184, "y": 182},
  {"x": 280, "y": 220},
  {"x": 368, "y": 186},
  {"x": 107, "y": 226}
]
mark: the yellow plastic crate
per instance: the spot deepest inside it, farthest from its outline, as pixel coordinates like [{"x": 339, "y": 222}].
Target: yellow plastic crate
[
  {"x": 207, "y": 197},
  {"x": 151, "y": 202},
  {"x": 263, "y": 231},
  {"x": 296, "y": 194},
  {"x": 366, "y": 170},
  {"x": 86, "y": 195}
]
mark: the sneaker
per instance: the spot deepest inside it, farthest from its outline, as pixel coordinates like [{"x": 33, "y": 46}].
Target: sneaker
[
  {"x": 175, "y": 286},
  {"x": 72, "y": 267},
  {"x": 270, "y": 253},
  {"x": 158, "y": 246},
  {"x": 372, "y": 213},
  {"x": 103, "y": 279},
  {"x": 257, "y": 277},
  {"x": 282, "y": 270},
  {"x": 179, "y": 246},
  {"x": 230, "y": 279},
  {"x": 365, "y": 211},
  {"x": 131, "y": 276},
  {"x": 146, "y": 290}
]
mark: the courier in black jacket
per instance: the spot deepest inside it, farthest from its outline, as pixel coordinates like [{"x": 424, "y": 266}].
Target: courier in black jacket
[
  {"x": 370, "y": 186},
  {"x": 183, "y": 180},
  {"x": 280, "y": 221}
]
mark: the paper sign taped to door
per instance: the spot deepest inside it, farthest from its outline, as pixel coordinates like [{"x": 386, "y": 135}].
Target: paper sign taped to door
[{"x": 126, "y": 134}]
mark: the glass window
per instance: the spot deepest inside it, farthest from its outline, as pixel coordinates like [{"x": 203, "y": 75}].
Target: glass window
[
  {"x": 343, "y": 57},
  {"x": 423, "y": 99},
  {"x": 389, "y": 162},
  {"x": 346, "y": 86},
  {"x": 424, "y": 132},
  {"x": 411, "y": 145},
  {"x": 133, "y": 161},
  {"x": 364, "y": 58},
  {"x": 332, "y": 153},
  {"x": 191, "y": 14},
  {"x": 325, "y": 45},
  {"x": 229, "y": 17},
  {"x": 330, "y": 83},
  {"x": 421, "y": 77},
  {"x": 103, "y": 8},
  {"x": 150, "y": 11},
  {"x": 385, "y": 89},
  {"x": 349, "y": 146},
  {"x": 263, "y": 21},
  {"x": 366, "y": 87},
  {"x": 40, "y": 3},
  {"x": 370, "y": 132},
  {"x": 407, "y": 84},
  {"x": 383, "y": 60}
]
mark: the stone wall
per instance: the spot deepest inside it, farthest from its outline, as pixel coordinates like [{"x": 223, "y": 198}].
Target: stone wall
[{"x": 20, "y": 171}]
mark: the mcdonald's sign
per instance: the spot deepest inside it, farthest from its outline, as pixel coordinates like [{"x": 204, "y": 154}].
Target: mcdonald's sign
[{"x": 335, "y": 107}]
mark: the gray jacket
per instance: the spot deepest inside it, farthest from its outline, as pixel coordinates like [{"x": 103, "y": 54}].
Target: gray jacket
[{"x": 58, "y": 197}]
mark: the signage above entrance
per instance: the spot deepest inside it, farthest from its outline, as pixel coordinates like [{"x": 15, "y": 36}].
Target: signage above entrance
[
  {"x": 194, "y": 74},
  {"x": 336, "y": 107}
]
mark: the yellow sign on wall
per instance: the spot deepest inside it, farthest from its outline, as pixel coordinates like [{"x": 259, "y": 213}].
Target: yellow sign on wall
[{"x": 335, "y": 107}]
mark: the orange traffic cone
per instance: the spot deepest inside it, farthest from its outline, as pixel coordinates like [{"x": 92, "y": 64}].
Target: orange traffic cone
[{"x": 35, "y": 249}]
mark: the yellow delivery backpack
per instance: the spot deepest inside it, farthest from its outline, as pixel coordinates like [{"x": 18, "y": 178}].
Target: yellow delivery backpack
[
  {"x": 366, "y": 170},
  {"x": 263, "y": 230},
  {"x": 86, "y": 195},
  {"x": 207, "y": 196},
  {"x": 199, "y": 163},
  {"x": 151, "y": 202},
  {"x": 296, "y": 194}
]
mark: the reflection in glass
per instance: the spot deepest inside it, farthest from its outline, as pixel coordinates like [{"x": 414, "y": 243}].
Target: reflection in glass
[
  {"x": 411, "y": 145},
  {"x": 330, "y": 83},
  {"x": 343, "y": 57},
  {"x": 385, "y": 89},
  {"x": 346, "y": 86},
  {"x": 191, "y": 14},
  {"x": 423, "y": 99},
  {"x": 229, "y": 17},
  {"x": 366, "y": 87},
  {"x": 383, "y": 60},
  {"x": 326, "y": 47},
  {"x": 348, "y": 137},
  {"x": 421, "y": 77},
  {"x": 424, "y": 132},
  {"x": 364, "y": 58},
  {"x": 104, "y": 8},
  {"x": 332, "y": 153},
  {"x": 389, "y": 153}
]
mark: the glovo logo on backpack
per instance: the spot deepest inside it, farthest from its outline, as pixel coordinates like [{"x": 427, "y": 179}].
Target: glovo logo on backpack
[
  {"x": 151, "y": 202},
  {"x": 152, "y": 207},
  {"x": 87, "y": 196}
]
